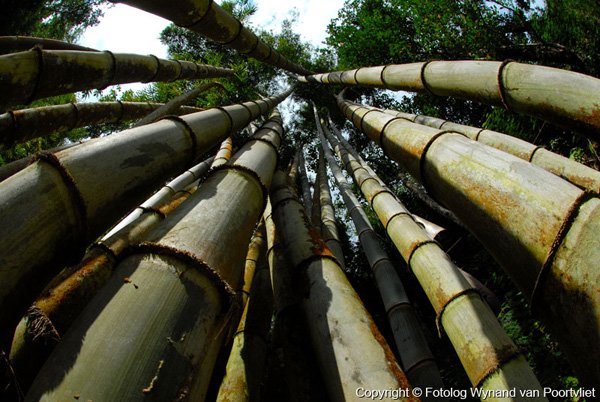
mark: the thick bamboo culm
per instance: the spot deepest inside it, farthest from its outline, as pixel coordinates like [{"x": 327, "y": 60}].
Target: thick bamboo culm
[
  {"x": 488, "y": 355},
  {"x": 173, "y": 293},
  {"x": 327, "y": 220},
  {"x": 350, "y": 350},
  {"x": 22, "y": 125},
  {"x": 304, "y": 183},
  {"x": 176, "y": 103},
  {"x": 415, "y": 356},
  {"x": 576, "y": 173},
  {"x": 207, "y": 18},
  {"x": 562, "y": 97},
  {"x": 293, "y": 359},
  {"x": 542, "y": 229},
  {"x": 81, "y": 197},
  {"x": 35, "y": 74},
  {"x": 293, "y": 168},
  {"x": 246, "y": 364},
  {"x": 63, "y": 299},
  {"x": 14, "y": 44}
]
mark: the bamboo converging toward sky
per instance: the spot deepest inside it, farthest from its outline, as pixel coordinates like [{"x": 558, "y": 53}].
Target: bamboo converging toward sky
[{"x": 176, "y": 260}]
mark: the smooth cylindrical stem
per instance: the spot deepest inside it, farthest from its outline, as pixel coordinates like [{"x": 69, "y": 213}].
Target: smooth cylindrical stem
[
  {"x": 174, "y": 295},
  {"x": 22, "y": 125},
  {"x": 14, "y": 44},
  {"x": 35, "y": 74},
  {"x": 490, "y": 358},
  {"x": 350, "y": 350},
  {"x": 209, "y": 19},
  {"x": 87, "y": 187},
  {"x": 562, "y": 97},
  {"x": 527, "y": 218}
]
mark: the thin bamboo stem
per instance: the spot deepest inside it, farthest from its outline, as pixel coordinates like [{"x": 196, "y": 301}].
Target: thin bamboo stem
[
  {"x": 576, "y": 173},
  {"x": 246, "y": 363},
  {"x": 416, "y": 357},
  {"x": 173, "y": 105},
  {"x": 540, "y": 228},
  {"x": 329, "y": 231},
  {"x": 224, "y": 153},
  {"x": 350, "y": 350},
  {"x": 35, "y": 74},
  {"x": 81, "y": 196},
  {"x": 178, "y": 294},
  {"x": 562, "y": 97},
  {"x": 14, "y": 44},
  {"x": 490, "y": 358},
  {"x": 304, "y": 183},
  {"x": 209, "y": 19},
  {"x": 22, "y": 125}
]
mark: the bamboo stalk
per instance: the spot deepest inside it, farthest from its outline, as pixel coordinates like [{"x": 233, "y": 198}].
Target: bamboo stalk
[
  {"x": 576, "y": 173},
  {"x": 35, "y": 74},
  {"x": 63, "y": 299},
  {"x": 209, "y": 19},
  {"x": 155, "y": 329},
  {"x": 293, "y": 360},
  {"x": 315, "y": 212},
  {"x": 80, "y": 198},
  {"x": 13, "y": 44},
  {"x": 562, "y": 97},
  {"x": 350, "y": 350},
  {"x": 224, "y": 153},
  {"x": 415, "y": 356},
  {"x": 246, "y": 363},
  {"x": 174, "y": 104},
  {"x": 540, "y": 228},
  {"x": 22, "y": 125},
  {"x": 436, "y": 232},
  {"x": 490, "y": 358},
  {"x": 293, "y": 169},
  {"x": 304, "y": 183},
  {"x": 329, "y": 231}
]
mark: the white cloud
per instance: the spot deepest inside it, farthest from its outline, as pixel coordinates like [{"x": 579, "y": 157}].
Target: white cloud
[{"x": 313, "y": 16}]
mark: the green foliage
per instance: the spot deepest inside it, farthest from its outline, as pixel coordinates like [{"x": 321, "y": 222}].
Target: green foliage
[{"x": 58, "y": 19}]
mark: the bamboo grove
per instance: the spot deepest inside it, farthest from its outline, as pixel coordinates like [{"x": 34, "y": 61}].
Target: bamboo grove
[{"x": 231, "y": 277}]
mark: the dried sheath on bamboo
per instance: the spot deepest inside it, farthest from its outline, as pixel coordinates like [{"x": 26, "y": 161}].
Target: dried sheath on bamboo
[
  {"x": 416, "y": 358},
  {"x": 35, "y": 74},
  {"x": 246, "y": 363},
  {"x": 563, "y": 97},
  {"x": 23, "y": 125},
  {"x": 540, "y": 228},
  {"x": 350, "y": 350},
  {"x": 576, "y": 173},
  {"x": 65, "y": 296},
  {"x": 155, "y": 329},
  {"x": 77, "y": 192},
  {"x": 207, "y": 18}
]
